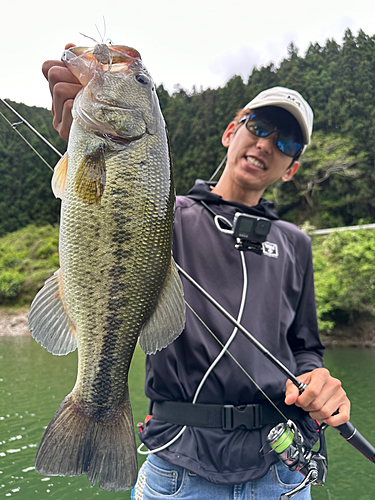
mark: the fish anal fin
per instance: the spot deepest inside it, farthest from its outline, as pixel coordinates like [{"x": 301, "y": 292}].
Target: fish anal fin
[
  {"x": 59, "y": 176},
  {"x": 89, "y": 181},
  {"x": 168, "y": 320},
  {"x": 49, "y": 321}
]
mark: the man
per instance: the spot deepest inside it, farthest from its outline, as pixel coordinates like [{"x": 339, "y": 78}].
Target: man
[{"x": 272, "y": 295}]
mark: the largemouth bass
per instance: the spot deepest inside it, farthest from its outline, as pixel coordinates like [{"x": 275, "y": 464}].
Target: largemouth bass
[{"x": 117, "y": 280}]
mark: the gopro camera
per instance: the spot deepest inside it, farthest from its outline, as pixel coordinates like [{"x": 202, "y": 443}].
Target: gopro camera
[
  {"x": 250, "y": 232},
  {"x": 251, "y": 228}
]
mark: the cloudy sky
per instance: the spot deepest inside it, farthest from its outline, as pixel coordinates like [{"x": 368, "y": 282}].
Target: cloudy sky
[{"x": 191, "y": 42}]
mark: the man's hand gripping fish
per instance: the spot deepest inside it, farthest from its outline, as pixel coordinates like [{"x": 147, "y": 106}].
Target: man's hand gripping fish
[{"x": 117, "y": 280}]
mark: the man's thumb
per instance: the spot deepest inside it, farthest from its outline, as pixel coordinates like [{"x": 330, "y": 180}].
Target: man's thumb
[{"x": 291, "y": 394}]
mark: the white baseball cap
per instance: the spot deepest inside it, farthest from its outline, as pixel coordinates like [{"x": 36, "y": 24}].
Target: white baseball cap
[{"x": 290, "y": 100}]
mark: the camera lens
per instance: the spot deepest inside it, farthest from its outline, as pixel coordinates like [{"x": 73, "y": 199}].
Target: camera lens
[{"x": 262, "y": 227}]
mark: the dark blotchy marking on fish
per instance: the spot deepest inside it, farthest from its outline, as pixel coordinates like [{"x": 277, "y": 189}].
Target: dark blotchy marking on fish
[{"x": 117, "y": 280}]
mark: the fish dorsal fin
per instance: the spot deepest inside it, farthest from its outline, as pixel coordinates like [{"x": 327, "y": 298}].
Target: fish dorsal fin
[
  {"x": 89, "y": 181},
  {"x": 168, "y": 320},
  {"x": 48, "y": 320},
  {"x": 59, "y": 176}
]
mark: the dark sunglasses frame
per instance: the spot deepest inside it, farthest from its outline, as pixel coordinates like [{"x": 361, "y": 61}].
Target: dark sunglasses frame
[{"x": 284, "y": 141}]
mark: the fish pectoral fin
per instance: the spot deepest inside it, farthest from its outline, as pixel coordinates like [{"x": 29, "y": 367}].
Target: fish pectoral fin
[
  {"x": 168, "y": 320},
  {"x": 48, "y": 319},
  {"x": 59, "y": 176},
  {"x": 89, "y": 181}
]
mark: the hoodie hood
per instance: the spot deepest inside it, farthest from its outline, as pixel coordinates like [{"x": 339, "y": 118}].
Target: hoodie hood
[{"x": 201, "y": 191}]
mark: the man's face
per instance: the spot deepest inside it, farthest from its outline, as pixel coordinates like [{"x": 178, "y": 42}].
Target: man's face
[{"x": 255, "y": 162}]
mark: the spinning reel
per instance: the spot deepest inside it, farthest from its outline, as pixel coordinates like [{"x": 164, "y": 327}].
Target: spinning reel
[{"x": 286, "y": 440}]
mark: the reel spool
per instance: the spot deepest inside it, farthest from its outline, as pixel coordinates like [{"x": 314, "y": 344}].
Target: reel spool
[{"x": 286, "y": 440}]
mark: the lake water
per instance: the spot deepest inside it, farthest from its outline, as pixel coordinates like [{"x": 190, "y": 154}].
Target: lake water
[{"x": 33, "y": 383}]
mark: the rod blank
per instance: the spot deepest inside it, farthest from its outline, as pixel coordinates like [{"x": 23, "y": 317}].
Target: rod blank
[{"x": 347, "y": 430}]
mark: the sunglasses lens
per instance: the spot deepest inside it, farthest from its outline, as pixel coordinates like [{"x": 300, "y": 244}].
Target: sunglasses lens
[
  {"x": 259, "y": 128},
  {"x": 286, "y": 143}
]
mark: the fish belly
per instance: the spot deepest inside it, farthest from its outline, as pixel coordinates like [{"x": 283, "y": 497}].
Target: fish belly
[{"x": 114, "y": 278}]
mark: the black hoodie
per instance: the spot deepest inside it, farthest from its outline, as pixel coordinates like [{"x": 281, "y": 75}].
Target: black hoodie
[{"x": 279, "y": 311}]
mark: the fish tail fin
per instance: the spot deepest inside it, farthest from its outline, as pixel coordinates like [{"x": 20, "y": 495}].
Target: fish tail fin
[{"x": 76, "y": 442}]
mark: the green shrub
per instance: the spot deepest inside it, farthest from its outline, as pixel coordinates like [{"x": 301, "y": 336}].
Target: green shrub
[
  {"x": 10, "y": 283},
  {"x": 344, "y": 268},
  {"x": 27, "y": 258}
]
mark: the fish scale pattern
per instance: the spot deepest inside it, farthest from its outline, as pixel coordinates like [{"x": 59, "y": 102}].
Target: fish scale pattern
[{"x": 121, "y": 258}]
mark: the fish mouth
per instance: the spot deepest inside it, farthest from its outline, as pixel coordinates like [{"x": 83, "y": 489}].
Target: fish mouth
[
  {"x": 119, "y": 54},
  {"x": 256, "y": 162},
  {"x": 83, "y": 61}
]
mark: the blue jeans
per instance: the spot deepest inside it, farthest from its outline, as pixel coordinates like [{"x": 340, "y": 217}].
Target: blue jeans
[{"x": 165, "y": 480}]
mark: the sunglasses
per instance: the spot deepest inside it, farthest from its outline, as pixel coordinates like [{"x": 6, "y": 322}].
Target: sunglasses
[{"x": 286, "y": 142}]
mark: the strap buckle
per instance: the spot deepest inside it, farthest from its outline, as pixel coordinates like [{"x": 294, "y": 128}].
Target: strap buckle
[{"x": 248, "y": 416}]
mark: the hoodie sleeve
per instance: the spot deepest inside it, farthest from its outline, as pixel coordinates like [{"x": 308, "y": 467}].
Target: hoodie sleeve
[{"x": 303, "y": 335}]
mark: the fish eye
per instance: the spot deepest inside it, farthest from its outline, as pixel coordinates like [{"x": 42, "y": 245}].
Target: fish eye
[{"x": 142, "y": 80}]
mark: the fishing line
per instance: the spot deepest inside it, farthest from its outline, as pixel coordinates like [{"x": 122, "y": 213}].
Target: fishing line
[
  {"x": 27, "y": 142},
  {"x": 31, "y": 128}
]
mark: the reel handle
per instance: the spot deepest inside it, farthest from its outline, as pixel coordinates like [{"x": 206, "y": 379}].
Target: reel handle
[{"x": 309, "y": 479}]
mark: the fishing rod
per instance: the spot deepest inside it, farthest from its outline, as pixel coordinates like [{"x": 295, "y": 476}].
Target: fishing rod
[{"x": 347, "y": 430}]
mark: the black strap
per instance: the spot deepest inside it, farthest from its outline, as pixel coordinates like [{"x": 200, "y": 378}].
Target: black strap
[{"x": 227, "y": 417}]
